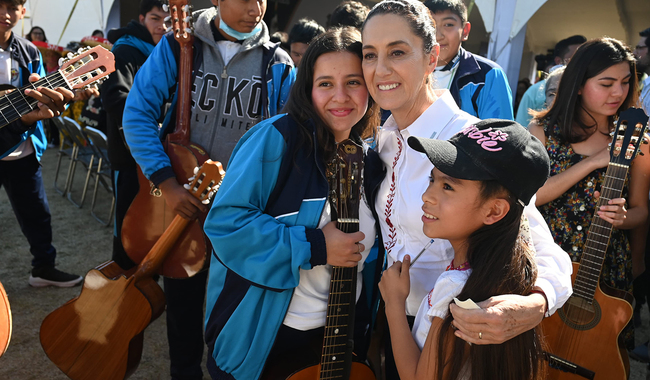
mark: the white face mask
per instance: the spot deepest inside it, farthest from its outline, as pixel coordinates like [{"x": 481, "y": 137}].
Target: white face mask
[{"x": 235, "y": 34}]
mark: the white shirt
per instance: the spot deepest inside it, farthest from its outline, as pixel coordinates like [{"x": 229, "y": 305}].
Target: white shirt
[
  {"x": 308, "y": 307},
  {"x": 9, "y": 75},
  {"x": 436, "y": 302},
  {"x": 400, "y": 201}
]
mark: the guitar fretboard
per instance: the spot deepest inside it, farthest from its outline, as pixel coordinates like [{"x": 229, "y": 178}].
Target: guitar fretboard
[
  {"x": 600, "y": 231},
  {"x": 16, "y": 104},
  {"x": 339, "y": 340}
]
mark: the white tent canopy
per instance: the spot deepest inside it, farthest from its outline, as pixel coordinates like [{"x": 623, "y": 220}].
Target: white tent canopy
[{"x": 52, "y": 15}]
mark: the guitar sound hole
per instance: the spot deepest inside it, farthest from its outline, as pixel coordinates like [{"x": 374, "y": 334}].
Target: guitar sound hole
[{"x": 579, "y": 314}]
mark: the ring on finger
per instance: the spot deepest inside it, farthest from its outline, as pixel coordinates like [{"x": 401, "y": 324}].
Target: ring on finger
[{"x": 480, "y": 335}]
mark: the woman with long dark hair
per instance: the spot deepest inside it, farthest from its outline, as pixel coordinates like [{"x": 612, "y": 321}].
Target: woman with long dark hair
[
  {"x": 36, "y": 33},
  {"x": 270, "y": 224},
  {"x": 597, "y": 85},
  {"x": 399, "y": 54},
  {"x": 472, "y": 202}
]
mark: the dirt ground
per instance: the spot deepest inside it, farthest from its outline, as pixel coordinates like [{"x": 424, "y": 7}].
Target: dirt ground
[{"x": 82, "y": 243}]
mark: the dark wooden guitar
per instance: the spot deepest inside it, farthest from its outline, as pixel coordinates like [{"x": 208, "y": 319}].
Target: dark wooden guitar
[
  {"x": 584, "y": 335},
  {"x": 148, "y": 216},
  {"x": 336, "y": 360},
  {"x": 88, "y": 67},
  {"x": 99, "y": 335},
  {"x": 5, "y": 321}
]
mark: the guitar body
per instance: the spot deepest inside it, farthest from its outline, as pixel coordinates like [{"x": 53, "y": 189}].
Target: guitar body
[
  {"x": 359, "y": 371},
  {"x": 148, "y": 217},
  {"x": 594, "y": 333},
  {"x": 99, "y": 334},
  {"x": 5, "y": 321}
]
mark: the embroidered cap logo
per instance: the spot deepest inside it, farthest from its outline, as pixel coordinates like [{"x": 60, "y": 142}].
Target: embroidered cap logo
[{"x": 487, "y": 138}]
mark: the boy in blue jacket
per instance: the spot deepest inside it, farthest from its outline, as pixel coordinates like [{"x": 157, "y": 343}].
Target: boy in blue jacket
[
  {"x": 22, "y": 144},
  {"x": 239, "y": 78}
]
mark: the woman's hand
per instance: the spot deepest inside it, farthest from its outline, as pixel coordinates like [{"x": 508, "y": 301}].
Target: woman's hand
[
  {"x": 395, "y": 285},
  {"x": 614, "y": 212},
  {"x": 343, "y": 249},
  {"x": 499, "y": 319}
]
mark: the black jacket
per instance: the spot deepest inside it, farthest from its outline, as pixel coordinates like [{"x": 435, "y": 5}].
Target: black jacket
[{"x": 128, "y": 60}]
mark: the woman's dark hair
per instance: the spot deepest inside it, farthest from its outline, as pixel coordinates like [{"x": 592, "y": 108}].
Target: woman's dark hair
[
  {"x": 29, "y": 35},
  {"x": 415, "y": 13},
  {"x": 304, "y": 31},
  {"x": 299, "y": 104},
  {"x": 502, "y": 263},
  {"x": 591, "y": 58}
]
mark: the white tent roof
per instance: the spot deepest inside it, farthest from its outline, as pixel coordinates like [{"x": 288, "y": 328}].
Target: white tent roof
[{"x": 52, "y": 15}]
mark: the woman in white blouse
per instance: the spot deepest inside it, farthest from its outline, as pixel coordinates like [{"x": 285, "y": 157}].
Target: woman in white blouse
[{"x": 399, "y": 54}]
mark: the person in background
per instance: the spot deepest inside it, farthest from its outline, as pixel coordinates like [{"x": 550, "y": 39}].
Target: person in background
[
  {"x": 240, "y": 79},
  {"x": 596, "y": 86},
  {"x": 98, "y": 33},
  {"x": 551, "y": 85},
  {"x": 478, "y": 85},
  {"x": 534, "y": 98},
  {"x": 300, "y": 35},
  {"x": 642, "y": 54},
  {"x": 283, "y": 39},
  {"x": 348, "y": 13},
  {"x": 522, "y": 86},
  {"x": 22, "y": 144},
  {"x": 36, "y": 34}
]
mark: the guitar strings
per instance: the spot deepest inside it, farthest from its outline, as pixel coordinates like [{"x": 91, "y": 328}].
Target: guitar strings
[
  {"x": 580, "y": 315},
  {"x": 12, "y": 112}
]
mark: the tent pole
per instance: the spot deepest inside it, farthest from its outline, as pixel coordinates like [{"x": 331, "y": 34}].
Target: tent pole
[{"x": 67, "y": 22}]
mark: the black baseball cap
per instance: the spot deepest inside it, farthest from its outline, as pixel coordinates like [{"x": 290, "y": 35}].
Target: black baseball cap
[{"x": 492, "y": 149}]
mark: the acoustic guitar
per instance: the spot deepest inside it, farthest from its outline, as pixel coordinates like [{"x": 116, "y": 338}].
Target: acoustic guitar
[
  {"x": 5, "y": 321},
  {"x": 584, "y": 335},
  {"x": 336, "y": 360},
  {"x": 88, "y": 67},
  {"x": 99, "y": 335},
  {"x": 148, "y": 216}
]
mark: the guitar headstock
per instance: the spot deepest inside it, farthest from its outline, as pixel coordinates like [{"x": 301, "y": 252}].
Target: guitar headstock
[
  {"x": 182, "y": 23},
  {"x": 87, "y": 66},
  {"x": 628, "y": 136},
  {"x": 206, "y": 181},
  {"x": 345, "y": 182}
]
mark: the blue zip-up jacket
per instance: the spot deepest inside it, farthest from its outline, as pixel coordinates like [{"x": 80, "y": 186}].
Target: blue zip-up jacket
[
  {"x": 263, "y": 227},
  {"x": 226, "y": 99},
  {"x": 480, "y": 88},
  {"x": 30, "y": 61}
]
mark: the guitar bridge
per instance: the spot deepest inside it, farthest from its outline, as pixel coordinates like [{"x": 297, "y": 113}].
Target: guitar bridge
[{"x": 567, "y": 366}]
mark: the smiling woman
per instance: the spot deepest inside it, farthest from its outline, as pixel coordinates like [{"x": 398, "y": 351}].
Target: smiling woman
[
  {"x": 273, "y": 208},
  {"x": 400, "y": 52}
]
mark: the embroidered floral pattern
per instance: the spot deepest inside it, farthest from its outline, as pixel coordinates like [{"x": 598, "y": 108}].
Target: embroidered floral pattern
[
  {"x": 569, "y": 216},
  {"x": 388, "y": 210}
]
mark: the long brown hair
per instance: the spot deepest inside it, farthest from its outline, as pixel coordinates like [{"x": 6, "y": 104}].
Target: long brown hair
[
  {"x": 299, "y": 104},
  {"x": 501, "y": 263},
  {"x": 591, "y": 58}
]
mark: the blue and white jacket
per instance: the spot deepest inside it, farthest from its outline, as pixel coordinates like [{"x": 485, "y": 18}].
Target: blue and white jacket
[
  {"x": 263, "y": 227},
  {"x": 480, "y": 88},
  {"x": 11, "y": 136},
  {"x": 227, "y": 100}
]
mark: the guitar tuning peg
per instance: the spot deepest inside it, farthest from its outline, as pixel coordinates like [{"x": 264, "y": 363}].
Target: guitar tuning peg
[
  {"x": 168, "y": 30},
  {"x": 188, "y": 31},
  {"x": 644, "y": 141},
  {"x": 186, "y": 186},
  {"x": 188, "y": 19},
  {"x": 70, "y": 55},
  {"x": 641, "y": 153},
  {"x": 186, "y": 8},
  {"x": 165, "y": 8},
  {"x": 611, "y": 134},
  {"x": 206, "y": 201},
  {"x": 167, "y": 19},
  {"x": 191, "y": 178},
  {"x": 196, "y": 169}
]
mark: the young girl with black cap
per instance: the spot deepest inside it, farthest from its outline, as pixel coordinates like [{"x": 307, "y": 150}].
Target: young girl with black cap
[{"x": 482, "y": 178}]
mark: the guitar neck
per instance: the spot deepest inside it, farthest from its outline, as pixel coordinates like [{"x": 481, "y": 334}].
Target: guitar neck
[
  {"x": 16, "y": 104},
  {"x": 600, "y": 231},
  {"x": 338, "y": 342},
  {"x": 159, "y": 251}
]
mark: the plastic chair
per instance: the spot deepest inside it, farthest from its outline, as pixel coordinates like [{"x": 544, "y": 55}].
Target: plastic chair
[
  {"x": 103, "y": 173},
  {"x": 82, "y": 153},
  {"x": 66, "y": 146}
]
